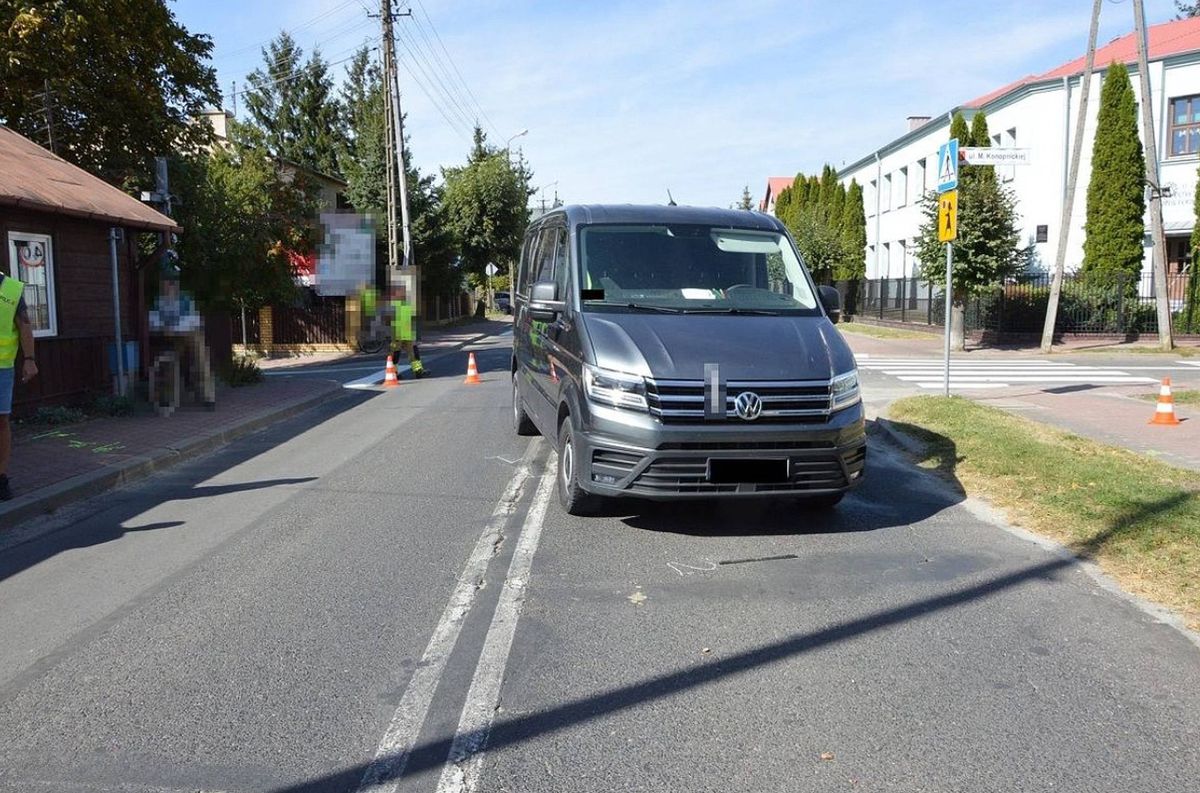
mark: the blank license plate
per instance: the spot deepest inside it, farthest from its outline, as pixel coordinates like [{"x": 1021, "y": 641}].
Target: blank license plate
[{"x": 725, "y": 471}]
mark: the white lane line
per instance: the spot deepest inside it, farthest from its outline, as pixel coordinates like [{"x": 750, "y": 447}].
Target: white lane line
[
  {"x": 372, "y": 380},
  {"x": 397, "y": 743},
  {"x": 463, "y": 765},
  {"x": 1105, "y": 380},
  {"x": 960, "y": 385}
]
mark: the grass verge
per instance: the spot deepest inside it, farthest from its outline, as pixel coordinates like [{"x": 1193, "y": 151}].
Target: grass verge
[
  {"x": 1181, "y": 396},
  {"x": 883, "y": 331},
  {"x": 1138, "y": 518},
  {"x": 1178, "y": 352}
]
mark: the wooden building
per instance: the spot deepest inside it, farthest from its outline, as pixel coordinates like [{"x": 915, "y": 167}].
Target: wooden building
[{"x": 55, "y": 222}]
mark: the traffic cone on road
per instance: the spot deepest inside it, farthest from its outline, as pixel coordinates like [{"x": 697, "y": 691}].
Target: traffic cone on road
[
  {"x": 390, "y": 378},
  {"x": 472, "y": 371},
  {"x": 1165, "y": 412}
]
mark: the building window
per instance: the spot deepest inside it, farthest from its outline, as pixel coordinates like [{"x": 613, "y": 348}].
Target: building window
[
  {"x": 869, "y": 198},
  {"x": 886, "y": 193},
  {"x": 919, "y": 180},
  {"x": 1009, "y": 172},
  {"x": 32, "y": 260},
  {"x": 1185, "y": 125},
  {"x": 902, "y": 251},
  {"x": 902, "y": 187}
]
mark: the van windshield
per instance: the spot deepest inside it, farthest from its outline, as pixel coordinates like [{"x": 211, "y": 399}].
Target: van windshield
[{"x": 692, "y": 269}]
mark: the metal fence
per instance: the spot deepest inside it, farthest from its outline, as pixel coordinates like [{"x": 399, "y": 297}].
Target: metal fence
[{"x": 1087, "y": 306}]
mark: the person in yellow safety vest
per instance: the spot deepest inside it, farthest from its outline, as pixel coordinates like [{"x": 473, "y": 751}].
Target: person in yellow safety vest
[
  {"x": 404, "y": 335},
  {"x": 15, "y": 330}
]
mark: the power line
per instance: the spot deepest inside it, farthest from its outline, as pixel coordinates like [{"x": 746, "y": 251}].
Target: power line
[
  {"x": 449, "y": 86},
  {"x": 296, "y": 75},
  {"x": 436, "y": 81},
  {"x": 323, "y": 15},
  {"x": 454, "y": 66},
  {"x": 454, "y": 125}
]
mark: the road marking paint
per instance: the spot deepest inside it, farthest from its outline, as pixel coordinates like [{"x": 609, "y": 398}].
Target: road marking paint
[
  {"x": 372, "y": 380},
  {"x": 957, "y": 384},
  {"x": 464, "y": 762},
  {"x": 401, "y": 735}
]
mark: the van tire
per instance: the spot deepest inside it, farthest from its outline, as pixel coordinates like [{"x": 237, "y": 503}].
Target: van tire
[
  {"x": 823, "y": 501},
  {"x": 574, "y": 499},
  {"x": 522, "y": 424}
]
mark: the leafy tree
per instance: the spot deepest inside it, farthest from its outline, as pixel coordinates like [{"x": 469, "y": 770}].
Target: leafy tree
[
  {"x": 854, "y": 235},
  {"x": 125, "y": 79},
  {"x": 486, "y": 204},
  {"x": 364, "y": 162},
  {"x": 987, "y": 249},
  {"x": 815, "y": 212},
  {"x": 1190, "y": 321},
  {"x": 292, "y": 102},
  {"x": 240, "y": 217},
  {"x": 1186, "y": 10},
  {"x": 745, "y": 202},
  {"x": 1116, "y": 201}
]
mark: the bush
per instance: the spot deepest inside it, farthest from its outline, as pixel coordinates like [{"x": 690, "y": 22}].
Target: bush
[
  {"x": 57, "y": 415},
  {"x": 241, "y": 371},
  {"x": 109, "y": 405}
]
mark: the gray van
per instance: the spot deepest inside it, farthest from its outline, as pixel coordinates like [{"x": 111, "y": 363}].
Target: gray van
[{"x": 677, "y": 352}]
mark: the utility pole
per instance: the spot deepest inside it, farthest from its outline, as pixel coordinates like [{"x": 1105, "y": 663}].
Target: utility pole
[
  {"x": 1064, "y": 226},
  {"x": 397, "y": 183},
  {"x": 48, "y": 108},
  {"x": 233, "y": 95},
  {"x": 1158, "y": 258}
]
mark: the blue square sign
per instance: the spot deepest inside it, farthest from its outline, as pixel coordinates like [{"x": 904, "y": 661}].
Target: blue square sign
[{"x": 947, "y": 173}]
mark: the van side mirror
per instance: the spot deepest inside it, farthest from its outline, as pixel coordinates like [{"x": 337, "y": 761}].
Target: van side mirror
[
  {"x": 544, "y": 301},
  {"x": 831, "y": 299}
]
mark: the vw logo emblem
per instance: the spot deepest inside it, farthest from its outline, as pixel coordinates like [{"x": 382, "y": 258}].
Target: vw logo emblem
[{"x": 748, "y": 405}]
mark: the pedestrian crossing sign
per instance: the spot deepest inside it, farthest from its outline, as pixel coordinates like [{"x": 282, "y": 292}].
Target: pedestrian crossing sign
[
  {"x": 948, "y": 216},
  {"x": 947, "y": 173}
]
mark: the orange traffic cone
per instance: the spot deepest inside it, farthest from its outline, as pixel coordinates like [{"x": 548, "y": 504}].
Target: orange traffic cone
[
  {"x": 390, "y": 378},
  {"x": 472, "y": 371},
  {"x": 1165, "y": 412}
]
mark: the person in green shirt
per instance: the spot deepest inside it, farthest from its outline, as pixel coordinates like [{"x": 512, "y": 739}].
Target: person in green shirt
[
  {"x": 15, "y": 332},
  {"x": 404, "y": 334}
]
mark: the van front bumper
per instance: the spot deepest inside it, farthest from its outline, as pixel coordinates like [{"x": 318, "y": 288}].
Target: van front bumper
[{"x": 623, "y": 453}]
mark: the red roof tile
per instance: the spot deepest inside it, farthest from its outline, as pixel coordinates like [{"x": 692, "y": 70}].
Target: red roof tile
[
  {"x": 36, "y": 179},
  {"x": 1169, "y": 38}
]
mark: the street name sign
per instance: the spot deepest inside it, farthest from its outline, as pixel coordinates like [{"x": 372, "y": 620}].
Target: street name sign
[
  {"x": 994, "y": 155},
  {"x": 948, "y": 216},
  {"x": 947, "y": 172}
]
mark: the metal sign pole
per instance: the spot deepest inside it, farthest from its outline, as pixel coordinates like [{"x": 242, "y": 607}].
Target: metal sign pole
[
  {"x": 949, "y": 260},
  {"x": 113, "y": 234}
]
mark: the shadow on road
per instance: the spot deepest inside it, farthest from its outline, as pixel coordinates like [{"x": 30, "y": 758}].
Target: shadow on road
[
  {"x": 115, "y": 508},
  {"x": 513, "y": 731}
]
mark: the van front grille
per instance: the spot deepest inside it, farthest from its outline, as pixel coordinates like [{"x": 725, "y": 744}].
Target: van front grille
[
  {"x": 690, "y": 475},
  {"x": 783, "y": 401}
]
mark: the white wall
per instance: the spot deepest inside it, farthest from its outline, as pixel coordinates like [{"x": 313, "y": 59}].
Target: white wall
[{"x": 1042, "y": 118}]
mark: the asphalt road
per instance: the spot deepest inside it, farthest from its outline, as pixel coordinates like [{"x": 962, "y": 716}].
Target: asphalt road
[{"x": 383, "y": 594}]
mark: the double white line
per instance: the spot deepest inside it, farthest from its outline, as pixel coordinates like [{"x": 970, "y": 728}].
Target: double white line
[{"x": 461, "y": 772}]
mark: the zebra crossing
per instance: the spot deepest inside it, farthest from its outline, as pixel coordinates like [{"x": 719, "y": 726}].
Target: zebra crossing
[{"x": 996, "y": 373}]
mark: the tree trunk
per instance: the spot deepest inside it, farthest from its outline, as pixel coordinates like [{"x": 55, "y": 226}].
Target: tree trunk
[{"x": 958, "y": 330}]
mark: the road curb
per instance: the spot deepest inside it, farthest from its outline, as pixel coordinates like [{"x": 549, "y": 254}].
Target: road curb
[
  {"x": 53, "y": 497},
  {"x": 898, "y": 437}
]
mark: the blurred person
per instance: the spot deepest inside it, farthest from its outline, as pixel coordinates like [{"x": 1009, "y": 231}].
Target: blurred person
[
  {"x": 404, "y": 335},
  {"x": 175, "y": 317},
  {"x": 15, "y": 331}
]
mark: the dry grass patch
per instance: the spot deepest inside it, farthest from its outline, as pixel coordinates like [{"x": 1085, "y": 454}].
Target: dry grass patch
[{"x": 1135, "y": 516}]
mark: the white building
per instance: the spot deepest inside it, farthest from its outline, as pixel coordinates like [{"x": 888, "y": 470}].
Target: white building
[{"x": 1039, "y": 113}]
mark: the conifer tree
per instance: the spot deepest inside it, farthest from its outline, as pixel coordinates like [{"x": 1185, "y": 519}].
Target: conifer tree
[{"x": 1116, "y": 201}]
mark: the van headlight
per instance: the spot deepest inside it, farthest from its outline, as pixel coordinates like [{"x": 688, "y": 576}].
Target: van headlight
[
  {"x": 844, "y": 390},
  {"x": 614, "y": 388}
]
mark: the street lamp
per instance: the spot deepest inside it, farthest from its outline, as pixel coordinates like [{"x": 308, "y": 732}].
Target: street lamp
[{"x": 508, "y": 143}]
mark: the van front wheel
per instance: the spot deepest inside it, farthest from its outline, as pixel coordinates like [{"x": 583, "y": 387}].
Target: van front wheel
[
  {"x": 573, "y": 498},
  {"x": 522, "y": 424}
]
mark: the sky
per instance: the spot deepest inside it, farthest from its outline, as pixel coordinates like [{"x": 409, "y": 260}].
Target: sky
[{"x": 625, "y": 101}]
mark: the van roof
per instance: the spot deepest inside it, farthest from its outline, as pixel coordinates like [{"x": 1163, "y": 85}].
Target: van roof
[{"x": 656, "y": 213}]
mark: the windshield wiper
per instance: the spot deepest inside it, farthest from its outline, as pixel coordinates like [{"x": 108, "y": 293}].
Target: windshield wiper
[
  {"x": 635, "y": 306},
  {"x": 761, "y": 312}
]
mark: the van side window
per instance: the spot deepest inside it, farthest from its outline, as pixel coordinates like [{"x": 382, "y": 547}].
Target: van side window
[
  {"x": 526, "y": 264},
  {"x": 543, "y": 260},
  {"x": 562, "y": 264}
]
